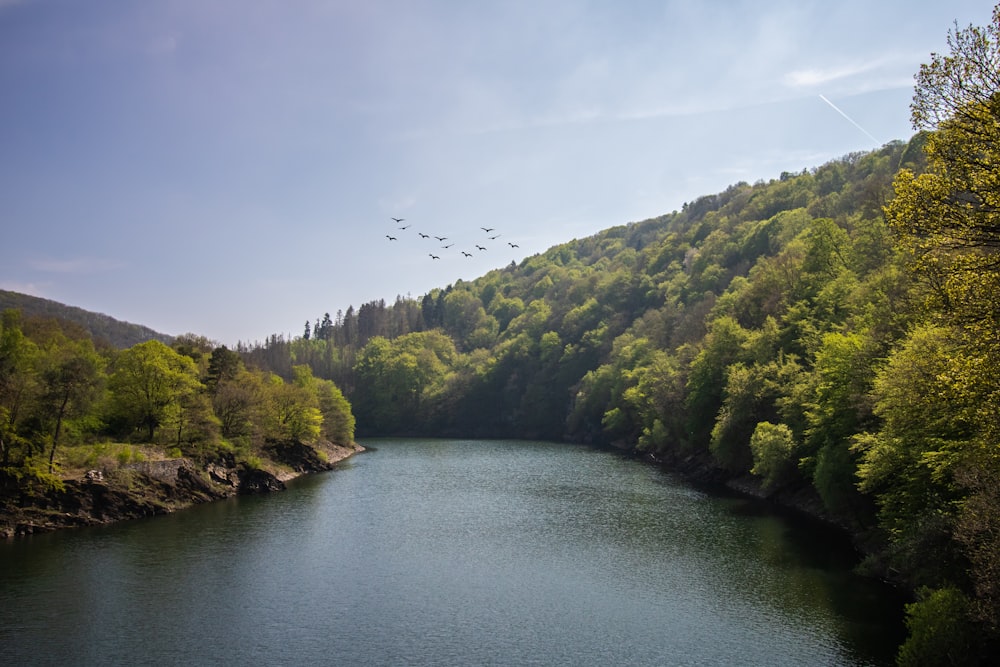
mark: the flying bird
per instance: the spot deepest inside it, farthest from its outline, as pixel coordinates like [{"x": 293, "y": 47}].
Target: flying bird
[
  {"x": 495, "y": 237},
  {"x": 448, "y": 246},
  {"x": 441, "y": 238},
  {"x": 487, "y": 229},
  {"x": 467, "y": 254},
  {"x": 406, "y": 226},
  {"x": 391, "y": 238},
  {"x": 480, "y": 247},
  {"x": 513, "y": 245},
  {"x": 398, "y": 220},
  {"x": 435, "y": 257},
  {"x": 424, "y": 236}
]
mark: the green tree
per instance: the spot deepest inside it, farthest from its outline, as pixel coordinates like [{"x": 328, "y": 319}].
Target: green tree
[
  {"x": 71, "y": 381},
  {"x": 978, "y": 531},
  {"x": 948, "y": 219},
  {"x": 289, "y": 411},
  {"x": 723, "y": 346},
  {"x": 942, "y": 631},
  {"x": 18, "y": 384},
  {"x": 235, "y": 401},
  {"x": 338, "y": 419},
  {"x": 837, "y": 406},
  {"x": 148, "y": 380},
  {"x": 741, "y": 409},
  {"x": 466, "y": 321},
  {"x": 909, "y": 464},
  {"x": 223, "y": 364},
  {"x": 949, "y": 216},
  {"x": 772, "y": 446},
  {"x": 397, "y": 378}
]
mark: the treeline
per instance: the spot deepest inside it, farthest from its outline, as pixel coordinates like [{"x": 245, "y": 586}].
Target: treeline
[
  {"x": 105, "y": 330},
  {"x": 566, "y": 345},
  {"x": 65, "y": 399},
  {"x": 833, "y": 333}
]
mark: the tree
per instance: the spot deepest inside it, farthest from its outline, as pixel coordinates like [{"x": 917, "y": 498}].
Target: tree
[
  {"x": 953, "y": 86},
  {"x": 297, "y": 405},
  {"x": 737, "y": 417},
  {"x": 338, "y": 420},
  {"x": 466, "y": 321},
  {"x": 18, "y": 382},
  {"x": 70, "y": 385},
  {"x": 772, "y": 446},
  {"x": 926, "y": 422},
  {"x": 148, "y": 379},
  {"x": 837, "y": 407},
  {"x": 723, "y": 346},
  {"x": 223, "y": 365},
  {"x": 235, "y": 400},
  {"x": 941, "y": 631},
  {"x": 325, "y": 329},
  {"x": 949, "y": 217}
]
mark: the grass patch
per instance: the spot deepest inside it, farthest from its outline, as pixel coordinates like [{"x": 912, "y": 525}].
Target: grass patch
[{"x": 104, "y": 456}]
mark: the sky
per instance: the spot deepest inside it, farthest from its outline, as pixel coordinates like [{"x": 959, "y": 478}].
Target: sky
[{"x": 231, "y": 168}]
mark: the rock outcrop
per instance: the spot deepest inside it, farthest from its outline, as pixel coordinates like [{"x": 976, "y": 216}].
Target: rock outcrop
[{"x": 150, "y": 488}]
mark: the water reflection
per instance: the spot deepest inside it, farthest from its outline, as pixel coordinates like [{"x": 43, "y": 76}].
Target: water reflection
[{"x": 450, "y": 552}]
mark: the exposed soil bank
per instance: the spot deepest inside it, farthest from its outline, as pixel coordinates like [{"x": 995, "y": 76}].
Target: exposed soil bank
[{"x": 156, "y": 487}]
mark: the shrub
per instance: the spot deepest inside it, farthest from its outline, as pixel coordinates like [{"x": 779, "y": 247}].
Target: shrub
[{"x": 941, "y": 631}]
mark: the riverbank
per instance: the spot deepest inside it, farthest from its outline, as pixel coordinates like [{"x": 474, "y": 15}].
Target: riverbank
[{"x": 155, "y": 487}]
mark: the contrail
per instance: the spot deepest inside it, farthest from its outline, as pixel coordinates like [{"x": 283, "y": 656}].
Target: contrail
[{"x": 849, "y": 119}]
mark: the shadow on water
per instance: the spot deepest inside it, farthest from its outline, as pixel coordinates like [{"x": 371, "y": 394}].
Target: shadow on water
[
  {"x": 453, "y": 552},
  {"x": 819, "y": 561},
  {"x": 871, "y": 609}
]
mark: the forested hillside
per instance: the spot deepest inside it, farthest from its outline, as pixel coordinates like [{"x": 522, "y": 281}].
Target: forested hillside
[
  {"x": 676, "y": 334},
  {"x": 831, "y": 333},
  {"x": 102, "y": 328}
]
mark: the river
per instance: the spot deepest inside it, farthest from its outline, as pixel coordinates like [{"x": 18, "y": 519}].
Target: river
[{"x": 451, "y": 552}]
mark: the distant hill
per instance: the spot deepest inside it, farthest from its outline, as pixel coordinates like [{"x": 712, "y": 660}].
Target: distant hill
[{"x": 119, "y": 334}]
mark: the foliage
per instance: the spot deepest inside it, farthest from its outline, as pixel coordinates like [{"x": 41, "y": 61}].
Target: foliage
[
  {"x": 948, "y": 217},
  {"x": 772, "y": 446},
  {"x": 941, "y": 631},
  {"x": 62, "y": 399},
  {"x": 147, "y": 385}
]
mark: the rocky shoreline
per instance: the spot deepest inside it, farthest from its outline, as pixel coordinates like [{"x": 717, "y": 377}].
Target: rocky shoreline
[{"x": 152, "y": 488}]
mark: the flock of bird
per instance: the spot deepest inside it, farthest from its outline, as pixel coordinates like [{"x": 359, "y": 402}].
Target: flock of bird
[{"x": 441, "y": 239}]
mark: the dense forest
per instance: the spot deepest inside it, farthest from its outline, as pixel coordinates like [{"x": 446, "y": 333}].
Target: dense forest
[{"x": 830, "y": 334}]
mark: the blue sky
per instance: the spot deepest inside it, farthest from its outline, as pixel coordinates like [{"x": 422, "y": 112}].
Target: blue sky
[{"x": 230, "y": 168}]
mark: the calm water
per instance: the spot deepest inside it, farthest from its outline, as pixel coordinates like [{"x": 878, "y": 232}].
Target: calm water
[{"x": 431, "y": 552}]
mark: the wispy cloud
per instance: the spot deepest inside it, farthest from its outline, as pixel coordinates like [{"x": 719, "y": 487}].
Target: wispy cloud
[
  {"x": 889, "y": 71},
  {"x": 76, "y": 265},
  {"x": 818, "y": 76}
]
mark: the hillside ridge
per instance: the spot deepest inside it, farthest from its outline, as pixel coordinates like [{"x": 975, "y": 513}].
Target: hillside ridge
[{"x": 118, "y": 333}]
